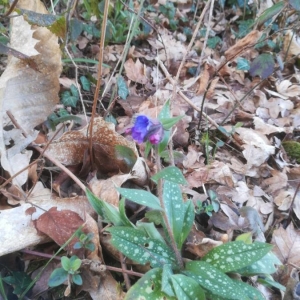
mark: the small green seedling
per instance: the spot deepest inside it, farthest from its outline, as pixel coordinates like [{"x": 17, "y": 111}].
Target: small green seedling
[
  {"x": 69, "y": 271},
  {"x": 85, "y": 241},
  {"x": 208, "y": 206}
]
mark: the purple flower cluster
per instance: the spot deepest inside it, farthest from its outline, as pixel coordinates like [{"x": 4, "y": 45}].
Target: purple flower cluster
[{"x": 146, "y": 129}]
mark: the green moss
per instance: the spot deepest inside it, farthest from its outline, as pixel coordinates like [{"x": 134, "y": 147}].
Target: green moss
[{"x": 292, "y": 149}]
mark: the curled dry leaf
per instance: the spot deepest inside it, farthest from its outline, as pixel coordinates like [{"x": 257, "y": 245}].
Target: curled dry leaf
[
  {"x": 215, "y": 172},
  {"x": 29, "y": 89},
  {"x": 70, "y": 148},
  {"x": 248, "y": 41}
]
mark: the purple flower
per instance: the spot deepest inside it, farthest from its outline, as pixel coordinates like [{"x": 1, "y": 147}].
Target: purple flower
[{"x": 146, "y": 129}]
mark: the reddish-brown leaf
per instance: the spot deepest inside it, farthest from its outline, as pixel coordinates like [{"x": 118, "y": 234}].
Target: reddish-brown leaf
[{"x": 59, "y": 225}]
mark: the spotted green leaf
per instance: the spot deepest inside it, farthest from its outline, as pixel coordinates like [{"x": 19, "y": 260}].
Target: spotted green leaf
[
  {"x": 213, "y": 280},
  {"x": 236, "y": 255},
  {"x": 148, "y": 287},
  {"x": 141, "y": 197},
  {"x": 166, "y": 286},
  {"x": 178, "y": 213},
  {"x": 136, "y": 245},
  {"x": 150, "y": 229},
  {"x": 123, "y": 215},
  {"x": 187, "y": 288},
  {"x": 170, "y": 173},
  {"x": 266, "y": 265},
  {"x": 249, "y": 290},
  {"x": 263, "y": 66}
]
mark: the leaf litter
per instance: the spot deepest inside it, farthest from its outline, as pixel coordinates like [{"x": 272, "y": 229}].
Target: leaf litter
[{"x": 255, "y": 179}]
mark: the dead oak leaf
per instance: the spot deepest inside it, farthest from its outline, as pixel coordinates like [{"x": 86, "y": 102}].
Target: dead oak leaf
[
  {"x": 287, "y": 244},
  {"x": 135, "y": 71}
]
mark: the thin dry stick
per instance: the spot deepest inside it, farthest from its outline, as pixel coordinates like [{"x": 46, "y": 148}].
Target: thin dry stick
[
  {"x": 183, "y": 96},
  {"x": 124, "y": 269},
  {"x": 193, "y": 38},
  {"x": 206, "y": 36},
  {"x": 102, "y": 40}
]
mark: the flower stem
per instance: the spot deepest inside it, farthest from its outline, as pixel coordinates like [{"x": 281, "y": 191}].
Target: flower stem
[{"x": 166, "y": 221}]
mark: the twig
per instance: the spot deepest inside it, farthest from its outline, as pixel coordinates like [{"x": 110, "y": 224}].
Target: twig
[
  {"x": 124, "y": 269},
  {"x": 206, "y": 36},
  {"x": 39, "y": 254},
  {"x": 162, "y": 204},
  {"x": 12, "y": 7},
  {"x": 99, "y": 79},
  {"x": 192, "y": 39},
  {"x": 184, "y": 97}
]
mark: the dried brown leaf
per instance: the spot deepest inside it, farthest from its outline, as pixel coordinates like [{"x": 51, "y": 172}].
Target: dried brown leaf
[
  {"x": 204, "y": 78},
  {"x": 248, "y": 41},
  {"x": 70, "y": 148},
  {"x": 135, "y": 71},
  {"x": 59, "y": 226}
]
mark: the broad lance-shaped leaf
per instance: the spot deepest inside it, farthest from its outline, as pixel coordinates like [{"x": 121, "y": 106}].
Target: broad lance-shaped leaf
[
  {"x": 166, "y": 285},
  {"x": 169, "y": 122},
  {"x": 170, "y": 173},
  {"x": 266, "y": 265},
  {"x": 187, "y": 288},
  {"x": 141, "y": 197},
  {"x": 213, "y": 280},
  {"x": 249, "y": 290},
  {"x": 148, "y": 287},
  {"x": 106, "y": 211},
  {"x": 270, "y": 12},
  {"x": 136, "y": 245},
  {"x": 236, "y": 255},
  {"x": 178, "y": 214}
]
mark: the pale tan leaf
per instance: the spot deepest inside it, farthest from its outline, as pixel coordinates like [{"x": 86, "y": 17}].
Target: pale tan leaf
[
  {"x": 288, "y": 89},
  {"x": 16, "y": 163},
  {"x": 30, "y": 94},
  {"x": 291, "y": 44},
  {"x": 275, "y": 183},
  {"x": 135, "y": 71},
  {"x": 287, "y": 244}
]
